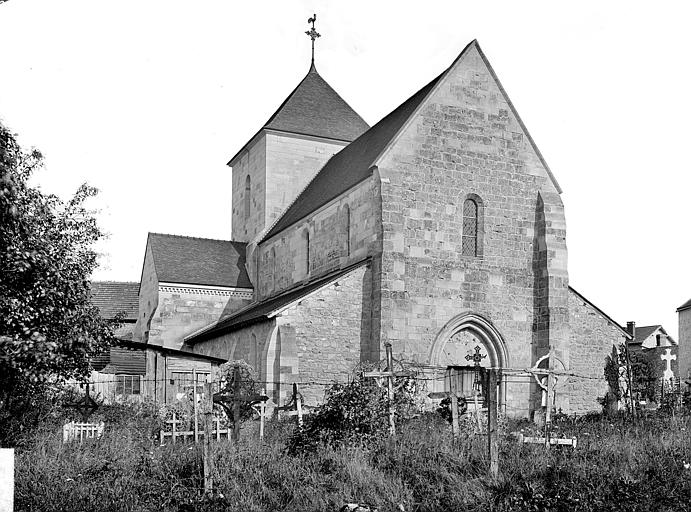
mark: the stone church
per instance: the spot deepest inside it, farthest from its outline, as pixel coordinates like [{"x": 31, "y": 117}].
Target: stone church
[{"x": 440, "y": 230}]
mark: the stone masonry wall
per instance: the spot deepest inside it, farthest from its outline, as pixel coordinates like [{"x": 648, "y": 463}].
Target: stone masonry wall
[
  {"x": 183, "y": 310},
  {"x": 465, "y": 142},
  {"x": 592, "y": 338},
  {"x": 239, "y": 345},
  {"x": 251, "y": 163},
  {"x": 331, "y": 330},
  {"x": 291, "y": 162},
  {"x": 283, "y": 258},
  {"x": 279, "y": 166},
  {"x": 320, "y": 338}
]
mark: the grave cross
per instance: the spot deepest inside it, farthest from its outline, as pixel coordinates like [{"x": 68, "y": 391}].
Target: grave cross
[
  {"x": 389, "y": 374},
  {"x": 668, "y": 357},
  {"x": 231, "y": 404},
  {"x": 476, "y": 358},
  {"x": 87, "y": 405}
]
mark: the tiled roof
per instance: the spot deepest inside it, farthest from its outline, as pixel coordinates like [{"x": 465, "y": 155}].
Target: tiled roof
[
  {"x": 200, "y": 261},
  {"x": 258, "y": 312},
  {"x": 351, "y": 165},
  {"x": 685, "y": 305},
  {"x": 315, "y": 108},
  {"x": 113, "y": 297}
]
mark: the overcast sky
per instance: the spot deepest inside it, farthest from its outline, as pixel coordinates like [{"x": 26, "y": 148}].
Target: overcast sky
[{"x": 148, "y": 99}]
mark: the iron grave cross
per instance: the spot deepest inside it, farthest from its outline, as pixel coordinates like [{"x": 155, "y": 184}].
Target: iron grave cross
[
  {"x": 476, "y": 357},
  {"x": 312, "y": 33}
]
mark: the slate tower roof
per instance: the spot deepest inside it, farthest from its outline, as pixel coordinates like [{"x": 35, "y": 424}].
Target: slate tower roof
[{"x": 315, "y": 109}]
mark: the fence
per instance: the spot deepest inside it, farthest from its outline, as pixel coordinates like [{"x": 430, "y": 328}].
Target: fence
[
  {"x": 74, "y": 431},
  {"x": 476, "y": 396},
  {"x": 194, "y": 434}
]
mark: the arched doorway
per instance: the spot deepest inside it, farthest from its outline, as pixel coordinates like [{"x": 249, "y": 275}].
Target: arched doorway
[{"x": 463, "y": 349}]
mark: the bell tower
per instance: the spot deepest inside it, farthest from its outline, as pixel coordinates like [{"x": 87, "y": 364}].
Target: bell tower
[{"x": 271, "y": 169}]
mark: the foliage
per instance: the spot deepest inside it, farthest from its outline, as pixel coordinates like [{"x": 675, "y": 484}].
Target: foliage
[
  {"x": 353, "y": 413},
  {"x": 616, "y": 467},
  {"x": 48, "y": 329},
  {"x": 248, "y": 389},
  {"x": 644, "y": 380}
]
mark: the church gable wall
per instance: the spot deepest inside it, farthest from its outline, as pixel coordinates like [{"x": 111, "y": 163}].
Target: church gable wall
[
  {"x": 283, "y": 258},
  {"x": 291, "y": 162},
  {"x": 466, "y": 143},
  {"x": 148, "y": 297},
  {"x": 252, "y": 163},
  {"x": 591, "y": 341}
]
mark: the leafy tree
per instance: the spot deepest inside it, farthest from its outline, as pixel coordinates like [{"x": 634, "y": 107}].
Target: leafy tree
[
  {"x": 48, "y": 327},
  {"x": 644, "y": 380}
]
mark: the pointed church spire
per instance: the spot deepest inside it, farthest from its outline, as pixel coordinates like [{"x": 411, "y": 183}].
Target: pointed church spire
[{"x": 313, "y": 34}]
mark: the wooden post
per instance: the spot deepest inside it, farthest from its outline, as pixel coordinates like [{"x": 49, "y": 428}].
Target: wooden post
[
  {"x": 455, "y": 429},
  {"x": 208, "y": 458},
  {"x": 218, "y": 429},
  {"x": 550, "y": 390},
  {"x": 262, "y": 413},
  {"x": 629, "y": 384},
  {"x": 389, "y": 374},
  {"x": 492, "y": 405},
  {"x": 236, "y": 405},
  {"x": 196, "y": 411},
  {"x": 175, "y": 421},
  {"x": 389, "y": 389},
  {"x": 477, "y": 411},
  {"x": 298, "y": 403}
]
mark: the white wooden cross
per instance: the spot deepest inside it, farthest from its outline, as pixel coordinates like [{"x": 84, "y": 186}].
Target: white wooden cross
[{"x": 668, "y": 357}]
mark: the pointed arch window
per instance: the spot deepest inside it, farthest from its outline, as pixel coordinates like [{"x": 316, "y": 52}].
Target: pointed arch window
[
  {"x": 471, "y": 243},
  {"x": 248, "y": 196}
]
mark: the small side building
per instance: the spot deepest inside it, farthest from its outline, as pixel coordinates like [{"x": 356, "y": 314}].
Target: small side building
[{"x": 133, "y": 370}]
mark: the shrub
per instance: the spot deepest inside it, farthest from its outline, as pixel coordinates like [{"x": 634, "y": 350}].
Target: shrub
[{"x": 353, "y": 413}]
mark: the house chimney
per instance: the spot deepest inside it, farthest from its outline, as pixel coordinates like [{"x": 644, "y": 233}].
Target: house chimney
[{"x": 631, "y": 328}]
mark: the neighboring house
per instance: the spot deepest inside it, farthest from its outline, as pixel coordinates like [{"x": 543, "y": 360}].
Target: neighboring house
[
  {"x": 659, "y": 350},
  {"x": 685, "y": 342},
  {"x": 132, "y": 370},
  {"x": 117, "y": 298}
]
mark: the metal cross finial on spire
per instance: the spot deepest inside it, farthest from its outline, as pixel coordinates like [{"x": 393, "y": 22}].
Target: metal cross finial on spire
[{"x": 312, "y": 33}]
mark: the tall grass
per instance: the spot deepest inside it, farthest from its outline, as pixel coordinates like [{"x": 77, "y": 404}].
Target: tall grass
[{"x": 616, "y": 466}]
